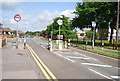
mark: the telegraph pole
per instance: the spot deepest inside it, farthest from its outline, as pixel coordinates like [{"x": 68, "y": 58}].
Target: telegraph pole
[{"x": 117, "y": 26}]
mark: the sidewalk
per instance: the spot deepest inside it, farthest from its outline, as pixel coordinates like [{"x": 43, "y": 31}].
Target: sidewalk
[{"x": 16, "y": 63}]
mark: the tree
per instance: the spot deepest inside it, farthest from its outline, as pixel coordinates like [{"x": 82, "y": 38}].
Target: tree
[
  {"x": 65, "y": 29},
  {"x": 102, "y": 13}
]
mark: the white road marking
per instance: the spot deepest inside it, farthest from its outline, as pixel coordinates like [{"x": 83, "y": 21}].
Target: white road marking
[
  {"x": 117, "y": 67},
  {"x": 77, "y": 57},
  {"x": 99, "y": 73},
  {"x": 58, "y": 54},
  {"x": 96, "y": 65},
  {"x": 69, "y": 59},
  {"x": 43, "y": 46},
  {"x": 115, "y": 77},
  {"x": 64, "y": 57},
  {"x": 76, "y": 53}
]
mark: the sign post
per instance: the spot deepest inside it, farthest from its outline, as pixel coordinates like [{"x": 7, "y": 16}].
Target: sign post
[
  {"x": 60, "y": 22},
  {"x": 17, "y": 18}
]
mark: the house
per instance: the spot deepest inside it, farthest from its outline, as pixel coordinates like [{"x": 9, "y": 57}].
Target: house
[
  {"x": 114, "y": 34},
  {"x": 7, "y": 32},
  {"x": 81, "y": 34}
]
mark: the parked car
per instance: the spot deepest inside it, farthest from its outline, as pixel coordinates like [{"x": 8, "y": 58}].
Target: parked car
[
  {"x": 32, "y": 36},
  {"x": 21, "y": 36}
]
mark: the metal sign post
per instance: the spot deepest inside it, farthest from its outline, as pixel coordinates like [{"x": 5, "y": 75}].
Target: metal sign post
[
  {"x": 17, "y": 18},
  {"x": 60, "y": 22}
]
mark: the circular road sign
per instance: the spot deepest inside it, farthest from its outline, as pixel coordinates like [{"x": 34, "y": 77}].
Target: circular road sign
[
  {"x": 60, "y": 22},
  {"x": 17, "y": 17}
]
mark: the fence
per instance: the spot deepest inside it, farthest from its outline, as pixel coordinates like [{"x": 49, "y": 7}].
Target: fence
[{"x": 3, "y": 41}]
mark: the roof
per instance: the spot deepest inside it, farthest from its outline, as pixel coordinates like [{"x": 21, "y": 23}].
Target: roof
[
  {"x": 21, "y": 32},
  {"x": 7, "y": 29},
  {"x": 1, "y": 24}
]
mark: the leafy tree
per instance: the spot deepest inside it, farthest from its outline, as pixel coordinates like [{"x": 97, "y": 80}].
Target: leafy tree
[
  {"x": 65, "y": 28},
  {"x": 102, "y": 13}
]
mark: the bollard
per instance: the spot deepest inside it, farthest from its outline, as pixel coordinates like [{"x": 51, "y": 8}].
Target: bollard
[
  {"x": 50, "y": 45},
  {"x": 65, "y": 44},
  {"x": 24, "y": 43},
  {"x": 68, "y": 43},
  {"x": 86, "y": 45},
  {"x": 60, "y": 44}
]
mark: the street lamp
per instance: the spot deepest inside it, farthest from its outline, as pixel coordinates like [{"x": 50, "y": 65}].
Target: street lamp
[
  {"x": 117, "y": 28},
  {"x": 51, "y": 37},
  {"x": 93, "y": 25},
  {"x": 60, "y": 22}
]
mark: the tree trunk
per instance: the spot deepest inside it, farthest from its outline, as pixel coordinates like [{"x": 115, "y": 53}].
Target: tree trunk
[{"x": 110, "y": 42}]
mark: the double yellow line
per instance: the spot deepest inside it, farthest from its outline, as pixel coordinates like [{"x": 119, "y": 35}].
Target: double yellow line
[{"x": 47, "y": 73}]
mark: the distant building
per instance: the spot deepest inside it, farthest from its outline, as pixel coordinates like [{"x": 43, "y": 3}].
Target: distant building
[
  {"x": 119, "y": 34},
  {"x": 82, "y": 34},
  {"x": 7, "y": 32},
  {"x": 114, "y": 34}
]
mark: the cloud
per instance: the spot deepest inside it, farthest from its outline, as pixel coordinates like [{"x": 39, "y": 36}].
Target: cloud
[
  {"x": 9, "y": 5},
  {"x": 69, "y": 13},
  {"x": 36, "y": 22}
]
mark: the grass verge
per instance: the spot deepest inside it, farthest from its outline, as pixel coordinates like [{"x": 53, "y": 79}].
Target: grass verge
[{"x": 98, "y": 50}]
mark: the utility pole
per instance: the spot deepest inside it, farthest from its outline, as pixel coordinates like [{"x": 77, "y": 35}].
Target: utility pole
[{"x": 117, "y": 26}]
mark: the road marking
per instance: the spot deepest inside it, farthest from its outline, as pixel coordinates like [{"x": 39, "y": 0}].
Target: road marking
[
  {"x": 77, "y": 57},
  {"x": 85, "y": 56},
  {"x": 115, "y": 77},
  {"x": 64, "y": 57},
  {"x": 97, "y": 54},
  {"x": 43, "y": 46},
  {"x": 58, "y": 54},
  {"x": 117, "y": 67},
  {"x": 99, "y": 73},
  {"x": 96, "y": 65},
  {"x": 69, "y": 59},
  {"x": 42, "y": 65}
]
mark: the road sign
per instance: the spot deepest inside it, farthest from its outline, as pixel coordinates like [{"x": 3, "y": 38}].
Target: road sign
[
  {"x": 61, "y": 41},
  {"x": 60, "y": 44},
  {"x": 17, "y": 17},
  {"x": 60, "y": 22}
]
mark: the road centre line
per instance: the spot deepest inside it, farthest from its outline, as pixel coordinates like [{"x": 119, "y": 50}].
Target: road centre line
[
  {"x": 50, "y": 73},
  {"x": 96, "y": 65},
  {"x": 37, "y": 59},
  {"x": 99, "y": 73},
  {"x": 40, "y": 66},
  {"x": 115, "y": 77},
  {"x": 77, "y": 57}
]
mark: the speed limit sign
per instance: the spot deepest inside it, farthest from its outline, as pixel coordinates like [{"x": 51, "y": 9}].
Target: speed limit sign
[{"x": 17, "y": 17}]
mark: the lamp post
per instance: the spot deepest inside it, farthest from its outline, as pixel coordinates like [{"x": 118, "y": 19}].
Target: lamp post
[
  {"x": 51, "y": 37},
  {"x": 93, "y": 25},
  {"x": 60, "y": 22},
  {"x": 117, "y": 28}
]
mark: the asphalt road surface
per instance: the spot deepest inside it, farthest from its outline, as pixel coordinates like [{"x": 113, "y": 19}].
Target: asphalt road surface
[{"x": 72, "y": 63}]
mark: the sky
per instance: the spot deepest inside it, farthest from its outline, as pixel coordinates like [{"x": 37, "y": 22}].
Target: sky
[{"x": 35, "y": 15}]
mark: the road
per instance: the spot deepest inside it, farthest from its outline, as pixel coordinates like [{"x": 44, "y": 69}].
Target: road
[
  {"x": 75, "y": 64},
  {"x": 36, "y": 62}
]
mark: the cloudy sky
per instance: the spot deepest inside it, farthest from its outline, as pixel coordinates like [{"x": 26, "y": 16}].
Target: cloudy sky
[{"x": 35, "y": 15}]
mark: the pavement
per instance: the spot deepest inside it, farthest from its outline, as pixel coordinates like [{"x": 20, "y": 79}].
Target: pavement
[
  {"x": 16, "y": 63},
  {"x": 104, "y": 66}
]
